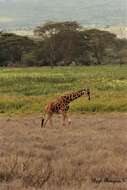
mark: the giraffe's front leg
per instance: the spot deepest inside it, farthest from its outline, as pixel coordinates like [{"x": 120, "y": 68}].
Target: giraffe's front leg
[
  {"x": 69, "y": 121},
  {"x": 64, "y": 117},
  {"x": 51, "y": 122}
]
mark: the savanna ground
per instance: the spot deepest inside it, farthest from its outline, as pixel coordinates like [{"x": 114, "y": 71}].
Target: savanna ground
[{"x": 89, "y": 155}]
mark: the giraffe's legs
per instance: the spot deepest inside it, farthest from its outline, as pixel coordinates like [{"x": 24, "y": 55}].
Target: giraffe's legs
[
  {"x": 69, "y": 121},
  {"x": 48, "y": 118},
  {"x": 65, "y": 118},
  {"x": 50, "y": 121}
]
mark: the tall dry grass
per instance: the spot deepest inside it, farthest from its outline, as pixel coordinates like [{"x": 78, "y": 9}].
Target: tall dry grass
[{"x": 91, "y": 154}]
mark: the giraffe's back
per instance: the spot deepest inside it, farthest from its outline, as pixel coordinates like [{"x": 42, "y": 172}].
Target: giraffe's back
[{"x": 57, "y": 106}]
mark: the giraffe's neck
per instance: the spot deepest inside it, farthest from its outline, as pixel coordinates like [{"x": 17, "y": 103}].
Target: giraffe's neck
[{"x": 73, "y": 96}]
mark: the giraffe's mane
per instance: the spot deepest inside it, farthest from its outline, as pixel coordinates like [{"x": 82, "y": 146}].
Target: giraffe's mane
[{"x": 68, "y": 93}]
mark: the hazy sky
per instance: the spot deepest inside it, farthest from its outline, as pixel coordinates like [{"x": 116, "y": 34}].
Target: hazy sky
[{"x": 22, "y": 13}]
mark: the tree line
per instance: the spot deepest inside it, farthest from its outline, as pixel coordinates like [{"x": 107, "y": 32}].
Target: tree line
[{"x": 62, "y": 44}]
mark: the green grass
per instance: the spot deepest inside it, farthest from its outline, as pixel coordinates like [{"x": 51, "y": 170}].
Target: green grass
[{"x": 27, "y": 90}]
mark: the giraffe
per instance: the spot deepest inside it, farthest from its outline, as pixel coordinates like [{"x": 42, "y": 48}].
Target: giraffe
[{"x": 61, "y": 106}]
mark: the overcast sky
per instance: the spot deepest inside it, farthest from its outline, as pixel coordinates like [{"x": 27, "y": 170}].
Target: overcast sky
[{"x": 22, "y": 13}]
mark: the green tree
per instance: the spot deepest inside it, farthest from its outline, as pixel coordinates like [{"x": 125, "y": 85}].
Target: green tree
[
  {"x": 49, "y": 34},
  {"x": 51, "y": 28},
  {"x": 121, "y": 50},
  {"x": 99, "y": 42},
  {"x": 14, "y": 46}
]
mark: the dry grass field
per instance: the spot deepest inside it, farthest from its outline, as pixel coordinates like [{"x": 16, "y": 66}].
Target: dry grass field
[{"x": 89, "y": 155}]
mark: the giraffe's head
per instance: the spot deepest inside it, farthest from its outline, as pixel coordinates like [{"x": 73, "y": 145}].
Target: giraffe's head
[{"x": 87, "y": 92}]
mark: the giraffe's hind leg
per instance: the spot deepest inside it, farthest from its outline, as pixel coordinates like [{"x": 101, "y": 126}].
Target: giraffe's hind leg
[{"x": 48, "y": 118}]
